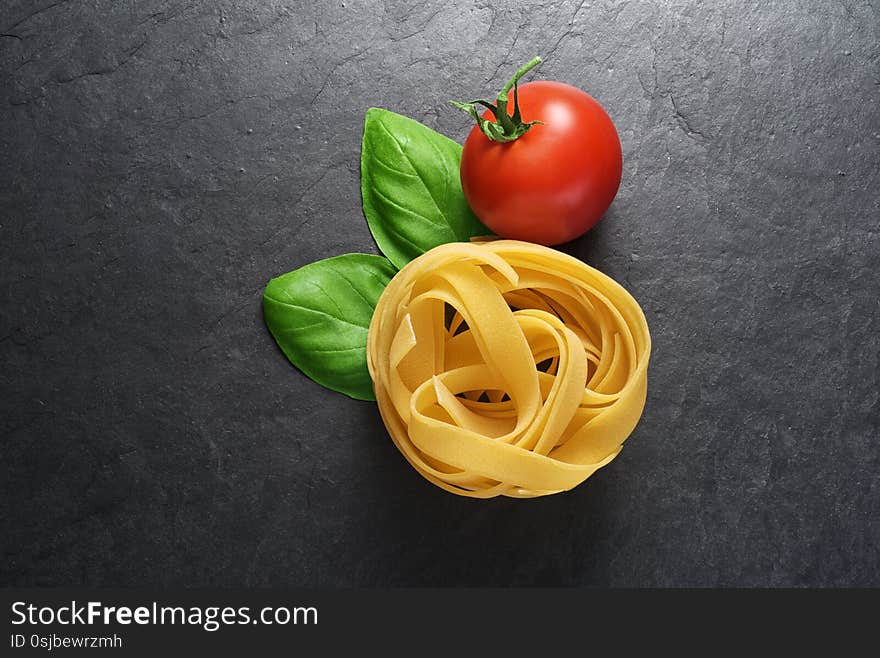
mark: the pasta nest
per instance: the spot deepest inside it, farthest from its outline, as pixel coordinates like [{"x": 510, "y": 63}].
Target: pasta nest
[{"x": 507, "y": 368}]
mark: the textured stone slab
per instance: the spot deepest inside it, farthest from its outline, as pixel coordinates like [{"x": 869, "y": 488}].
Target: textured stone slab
[{"x": 162, "y": 160}]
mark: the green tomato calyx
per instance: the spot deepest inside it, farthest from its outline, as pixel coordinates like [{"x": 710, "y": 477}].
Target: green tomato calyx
[{"x": 506, "y": 127}]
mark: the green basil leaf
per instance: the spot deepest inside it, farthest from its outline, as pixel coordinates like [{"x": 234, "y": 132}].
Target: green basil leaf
[
  {"x": 319, "y": 316},
  {"x": 411, "y": 187}
]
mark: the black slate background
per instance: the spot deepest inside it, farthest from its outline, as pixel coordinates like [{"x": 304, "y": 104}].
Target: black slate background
[{"x": 160, "y": 161}]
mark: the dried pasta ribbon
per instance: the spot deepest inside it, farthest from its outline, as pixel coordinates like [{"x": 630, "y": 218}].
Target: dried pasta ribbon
[{"x": 507, "y": 368}]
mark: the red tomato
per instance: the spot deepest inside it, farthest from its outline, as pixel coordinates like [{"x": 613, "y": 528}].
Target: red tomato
[{"x": 556, "y": 181}]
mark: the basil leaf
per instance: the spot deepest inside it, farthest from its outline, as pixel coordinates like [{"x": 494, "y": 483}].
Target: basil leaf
[
  {"x": 411, "y": 187},
  {"x": 319, "y": 316}
]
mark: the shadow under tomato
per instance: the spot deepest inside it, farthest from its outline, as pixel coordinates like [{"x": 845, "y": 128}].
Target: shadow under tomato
[{"x": 593, "y": 247}]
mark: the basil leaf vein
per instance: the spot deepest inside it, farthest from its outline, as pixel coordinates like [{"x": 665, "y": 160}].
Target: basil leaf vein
[
  {"x": 320, "y": 315},
  {"x": 411, "y": 187}
]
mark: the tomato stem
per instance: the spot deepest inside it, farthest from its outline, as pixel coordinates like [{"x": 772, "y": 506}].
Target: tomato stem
[{"x": 506, "y": 127}]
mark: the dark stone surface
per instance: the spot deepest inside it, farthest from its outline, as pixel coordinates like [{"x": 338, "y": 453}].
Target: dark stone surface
[{"x": 162, "y": 160}]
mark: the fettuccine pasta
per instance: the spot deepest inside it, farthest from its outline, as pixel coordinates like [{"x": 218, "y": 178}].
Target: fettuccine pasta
[{"x": 507, "y": 368}]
